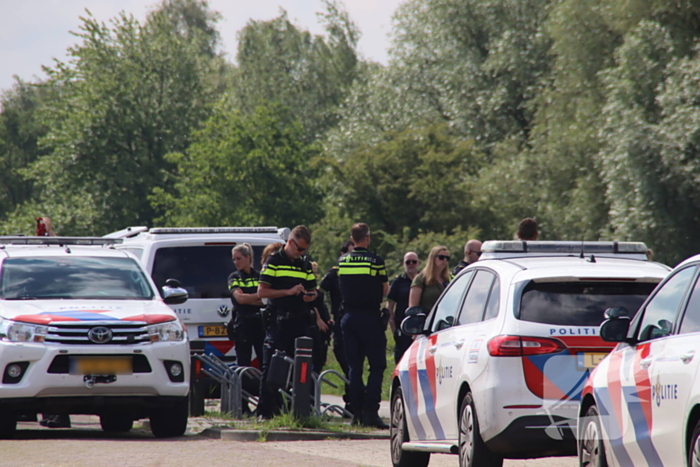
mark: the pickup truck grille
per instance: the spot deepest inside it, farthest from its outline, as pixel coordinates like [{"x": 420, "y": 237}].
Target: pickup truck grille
[{"x": 125, "y": 333}]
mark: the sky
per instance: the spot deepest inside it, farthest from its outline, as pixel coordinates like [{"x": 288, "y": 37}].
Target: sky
[{"x": 34, "y": 32}]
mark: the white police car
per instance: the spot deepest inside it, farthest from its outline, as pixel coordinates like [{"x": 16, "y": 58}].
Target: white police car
[
  {"x": 498, "y": 365},
  {"x": 83, "y": 331},
  {"x": 641, "y": 405}
]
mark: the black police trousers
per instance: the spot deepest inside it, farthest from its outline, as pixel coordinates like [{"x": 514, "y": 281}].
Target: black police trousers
[
  {"x": 363, "y": 335},
  {"x": 249, "y": 334},
  {"x": 280, "y": 336}
]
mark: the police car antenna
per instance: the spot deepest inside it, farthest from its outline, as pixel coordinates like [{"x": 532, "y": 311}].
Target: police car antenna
[{"x": 581, "y": 256}]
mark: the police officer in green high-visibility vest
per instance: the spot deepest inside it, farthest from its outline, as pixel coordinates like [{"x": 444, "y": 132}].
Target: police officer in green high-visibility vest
[
  {"x": 289, "y": 282},
  {"x": 363, "y": 284}
]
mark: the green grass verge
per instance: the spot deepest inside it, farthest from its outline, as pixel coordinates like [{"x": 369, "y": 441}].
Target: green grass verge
[{"x": 332, "y": 364}]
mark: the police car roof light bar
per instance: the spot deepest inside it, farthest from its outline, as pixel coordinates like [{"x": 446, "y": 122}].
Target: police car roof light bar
[
  {"x": 211, "y": 230},
  {"x": 32, "y": 240},
  {"x": 563, "y": 247}
]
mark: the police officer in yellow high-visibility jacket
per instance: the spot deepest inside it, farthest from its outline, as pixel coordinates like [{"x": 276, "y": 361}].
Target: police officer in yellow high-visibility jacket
[
  {"x": 289, "y": 282},
  {"x": 363, "y": 283}
]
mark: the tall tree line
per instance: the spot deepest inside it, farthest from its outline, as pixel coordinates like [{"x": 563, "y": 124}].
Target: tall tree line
[{"x": 581, "y": 113}]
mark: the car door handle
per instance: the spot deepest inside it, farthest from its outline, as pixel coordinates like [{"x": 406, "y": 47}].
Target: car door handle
[
  {"x": 645, "y": 363},
  {"x": 459, "y": 343},
  {"x": 688, "y": 356},
  {"x": 432, "y": 349}
]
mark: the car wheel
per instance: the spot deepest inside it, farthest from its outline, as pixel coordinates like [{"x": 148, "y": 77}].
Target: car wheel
[
  {"x": 8, "y": 425},
  {"x": 170, "y": 421},
  {"x": 398, "y": 433},
  {"x": 694, "y": 448},
  {"x": 116, "y": 422},
  {"x": 472, "y": 450},
  {"x": 591, "y": 449}
]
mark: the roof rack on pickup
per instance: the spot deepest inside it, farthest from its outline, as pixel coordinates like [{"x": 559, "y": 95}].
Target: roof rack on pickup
[
  {"x": 32, "y": 240},
  {"x": 520, "y": 248}
]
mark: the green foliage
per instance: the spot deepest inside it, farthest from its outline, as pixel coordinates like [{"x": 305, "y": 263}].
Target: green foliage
[
  {"x": 129, "y": 94},
  {"x": 20, "y": 132},
  {"x": 243, "y": 170},
  {"x": 281, "y": 63}
]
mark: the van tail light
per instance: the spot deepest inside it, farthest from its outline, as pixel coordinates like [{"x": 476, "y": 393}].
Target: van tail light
[{"x": 520, "y": 346}]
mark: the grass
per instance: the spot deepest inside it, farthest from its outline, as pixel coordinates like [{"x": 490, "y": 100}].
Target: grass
[{"x": 332, "y": 364}]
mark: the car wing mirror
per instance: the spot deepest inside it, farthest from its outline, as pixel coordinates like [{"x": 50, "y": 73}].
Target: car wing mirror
[
  {"x": 615, "y": 329},
  {"x": 173, "y": 293},
  {"x": 616, "y": 312},
  {"x": 414, "y": 322}
]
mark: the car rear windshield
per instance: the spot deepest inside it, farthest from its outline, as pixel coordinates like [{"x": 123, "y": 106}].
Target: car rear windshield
[
  {"x": 73, "y": 278},
  {"x": 580, "y": 303},
  {"x": 202, "y": 270}
]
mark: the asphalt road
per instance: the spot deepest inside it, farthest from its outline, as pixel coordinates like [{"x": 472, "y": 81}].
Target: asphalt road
[{"x": 85, "y": 445}]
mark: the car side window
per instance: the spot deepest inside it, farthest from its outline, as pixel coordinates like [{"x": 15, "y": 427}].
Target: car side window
[
  {"x": 661, "y": 310},
  {"x": 449, "y": 304},
  {"x": 473, "y": 308},
  {"x": 494, "y": 303},
  {"x": 691, "y": 319}
]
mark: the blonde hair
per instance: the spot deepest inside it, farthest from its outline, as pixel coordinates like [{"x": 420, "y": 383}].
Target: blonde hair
[
  {"x": 430, "y": 273},
  {"x": 269, "y": 249}
]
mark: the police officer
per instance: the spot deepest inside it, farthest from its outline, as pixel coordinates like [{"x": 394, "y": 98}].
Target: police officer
[
  {"x": 363, "y": 283},
  {"x": 246, "y": 322},
  {"x": 289, "y": 282},
  {"x": 472, "y": 252},
  {"x": 397, "y": 302},
  {"x": 329, "y": 284}
]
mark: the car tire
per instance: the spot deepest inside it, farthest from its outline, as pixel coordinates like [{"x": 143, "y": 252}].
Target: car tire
[
  {"x": 591, "y": 452},
  {"x": 117, "y": 422},
  {"x": 8, "y": 425},
  {"x": 170, "y": 421},
  {"x": 694, "y": 447},
  {"x": 398, "y": 433},
  {"x": 472, "y": 449}
]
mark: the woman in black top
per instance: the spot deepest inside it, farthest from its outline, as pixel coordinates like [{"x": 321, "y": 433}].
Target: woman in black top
[{"x": 246, "y": 321}]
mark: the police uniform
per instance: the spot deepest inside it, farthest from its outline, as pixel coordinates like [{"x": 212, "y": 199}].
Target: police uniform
[
  {"x": 292, "y": 320},
  {"x": 398, "y": 293},
  {"x": 462, "y": 264},
  {"x": 362, "y": 276},
  {"x": 331, "y": 286},
  {"x": 246, "y": 321}
]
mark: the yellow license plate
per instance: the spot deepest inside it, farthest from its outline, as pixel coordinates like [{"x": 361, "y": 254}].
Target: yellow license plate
[
  {"x": 213, "y": 331},
  {"x": 589, "y": 360},
  {"x": 101, "y": 366}
]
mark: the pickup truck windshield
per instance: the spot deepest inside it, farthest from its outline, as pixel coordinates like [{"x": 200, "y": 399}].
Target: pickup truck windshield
[{"x": 73, "y": 278}]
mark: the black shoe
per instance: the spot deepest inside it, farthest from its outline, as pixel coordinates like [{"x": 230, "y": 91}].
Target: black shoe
[
  {"x": 56, "y": 421},
  {"x": 357, "y": 418},
  {"x": 374, "y": 421},
  {"x": 27, "y": 418}
]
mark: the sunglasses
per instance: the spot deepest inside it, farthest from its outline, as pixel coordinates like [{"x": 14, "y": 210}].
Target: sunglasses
[
  {"x": 478, "y": 253},
  {"x": 299, "y": 249},
  {"x": 443, "y": 257},
  {"x": 411, "y": 261}
]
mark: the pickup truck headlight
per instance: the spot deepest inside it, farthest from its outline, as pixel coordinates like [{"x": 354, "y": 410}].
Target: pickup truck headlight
[
  {"x": 170, "y": 331},
  {"x": 14, "y": 331}
]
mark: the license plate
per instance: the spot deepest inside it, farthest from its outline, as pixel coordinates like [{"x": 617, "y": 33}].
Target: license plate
[
  {"x": 589, "y": 360},
  {"x": 101, "y": 366},
  {"x": 215, "y": 330}
]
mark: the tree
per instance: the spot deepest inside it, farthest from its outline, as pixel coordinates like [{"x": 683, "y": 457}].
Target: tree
[
  {"x": 129, "y": 94},
  {"x": 244, "y": 170},
  {"x": 281, "y": 63},
  {"x": 20, "y": 132}
]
